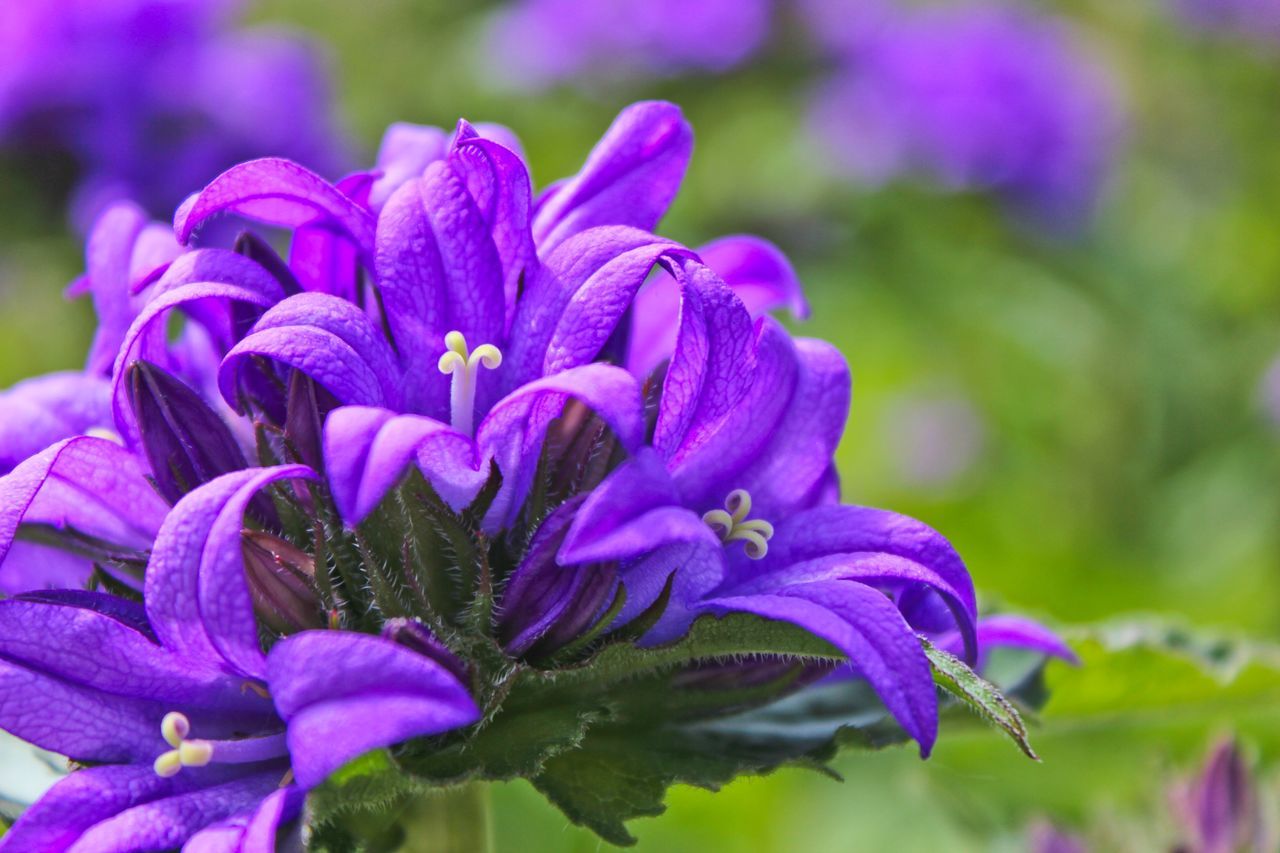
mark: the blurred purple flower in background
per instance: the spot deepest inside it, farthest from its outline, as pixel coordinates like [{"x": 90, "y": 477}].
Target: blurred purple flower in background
[
  {"x": 1257, "y": 18},
  {"x": 539, "y": 43},
  {"x": 976, "y": 97},
  {"x": 152, "y": 98},
  {"x": 1220, "y": 808}
]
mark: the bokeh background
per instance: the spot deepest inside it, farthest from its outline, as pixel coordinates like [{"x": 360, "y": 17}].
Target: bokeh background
[{"x": 1046, "y": 239}]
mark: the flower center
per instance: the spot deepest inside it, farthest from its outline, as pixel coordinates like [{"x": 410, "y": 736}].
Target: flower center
[
  {"x": 190, "y": 752},
  {"x": 464, "y": 365},
  {"x": 731, "y": 524}
]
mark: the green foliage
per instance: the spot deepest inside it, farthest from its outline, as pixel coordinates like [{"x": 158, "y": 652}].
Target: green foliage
[{"x": 980, "y": 695}]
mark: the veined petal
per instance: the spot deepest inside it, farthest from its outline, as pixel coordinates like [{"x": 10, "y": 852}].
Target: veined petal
[
  {"x": 753, "y": 268},
  {"x": 281, "y": 193},
  {"x": 866, "y": 626},
  {"x": 167, "y": 822},
  {"x": 89, "y": 485},
  {"x": 38, "y": 412},
  {"x": 328, "y": 339},
  {"x": 367, "y": 451},
  {"x": 196, "y": 594},
  {"x": 499, "y": 183},
  {"x": 145, "y": 338},
  {"x": 82, "y": 799},
  {"x": 513, "y": 431},
  {"x": 251, "y": 831},
  {"x": 636, "y": 510},
  {"x": 343, "y": 694},
  {"x": 609, "y": 262},
  {"x": 629, "y": 178}
]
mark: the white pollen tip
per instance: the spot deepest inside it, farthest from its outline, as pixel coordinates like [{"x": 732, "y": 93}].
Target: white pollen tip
[
  {"x": 195, "y": 753},
  {"x": 175, "y": 727},
  {"x": 456, "y": 342}
]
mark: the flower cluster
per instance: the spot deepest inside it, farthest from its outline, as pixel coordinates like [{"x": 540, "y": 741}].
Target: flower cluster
[
  {"x": 154, "y": 97},
  {"x": 487, "y": 478}
]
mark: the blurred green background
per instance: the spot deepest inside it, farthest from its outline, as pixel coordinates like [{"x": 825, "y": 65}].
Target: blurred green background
[{"x": 1095, "y": 399}]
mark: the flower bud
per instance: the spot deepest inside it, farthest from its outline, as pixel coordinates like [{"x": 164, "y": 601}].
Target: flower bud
[
  {"x": 281, "y": 581},
  {"x": 185, "y": 441},
  {"x": 545, "y": 605},
  {"x": 414, "y": 635}
]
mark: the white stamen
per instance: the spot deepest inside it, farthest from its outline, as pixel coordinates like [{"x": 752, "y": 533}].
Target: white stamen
[
  {"x": 464, "y": 365},
  {"x": 731, "y": 524}
]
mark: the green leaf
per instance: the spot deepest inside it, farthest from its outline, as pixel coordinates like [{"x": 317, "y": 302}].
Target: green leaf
[{"x": 983, "y": 697}]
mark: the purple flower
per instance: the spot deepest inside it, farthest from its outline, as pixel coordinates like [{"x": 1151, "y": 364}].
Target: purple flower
[
  {"x": 194, "y": 734},
  {"x": 982, "y": 97},
  {"x": 539, "y": 43},
  {"x": 153, "y": 98},
  {"x": 1220, "y": 808},
  {"x": 1253, "y": 18}
]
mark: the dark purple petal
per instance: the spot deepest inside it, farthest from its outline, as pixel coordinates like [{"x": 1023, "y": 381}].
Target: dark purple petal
[
  {"x": 629, "y": 178},
  {"x": 343, "y": 694},
  {"x": 38, "y": 412},
  {"x": 261, "y": 253},
  {"x": 513, "y": 432},
  {"x": 327, "y": 338},
  {"x": 185, "y": 442},
  {"x": 367, "y": 451},
  {"x": 281, "y": 193},
  {"x": 196, "y": 594},
  {"x": 757, "y": 272},
  {"x": 868, "y": 628}
]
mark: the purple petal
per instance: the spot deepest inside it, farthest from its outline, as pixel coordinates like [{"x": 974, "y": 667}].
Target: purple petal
[
  {"x": 38, "y": 412},
  {"x": 367, "y": 451},
  {"x": 108, "y": 257},
  {"x": 167, "y": 823},
  {"x": 343, "y": 694},
  {"x": 1014, "y": 632},
  {"x": 636, "y": 510},
  {"x": 405, "y": 153},
  {"x": 629, "y": 178},
  {"x": 82, "y": 799},
  {"x": 698, "y": 568},
  {"x": 513, "y": 431},
  {"x": 90, "y": 485},
  {"x": 196, "y": 594},
  {"x": 251, "y": 831},
  {"x": 757, "y": 272},
  {"x": 146, "y": 339},
  {"x": 326, "y": 338},
  {"x": 868, "y": 628},
  {"x": 609, "y": 262},
  {"x": 328, "y": 262},
  {"x": 281, "y": 193},
  {"x": 498, "y": 181}
]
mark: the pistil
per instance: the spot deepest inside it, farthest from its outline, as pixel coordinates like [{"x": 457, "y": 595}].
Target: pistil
[
  {"x": 732, "y": 525},
  {"x": 464, "y": 365}
]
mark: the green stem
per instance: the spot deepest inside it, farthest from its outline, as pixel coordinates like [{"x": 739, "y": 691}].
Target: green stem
[{"x": 451, "y": 820}]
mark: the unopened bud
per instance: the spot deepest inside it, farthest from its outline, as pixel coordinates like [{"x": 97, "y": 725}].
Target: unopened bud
[{"x": 281, "y": 581}]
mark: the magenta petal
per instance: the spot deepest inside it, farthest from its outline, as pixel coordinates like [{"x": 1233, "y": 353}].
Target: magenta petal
[
  {"x": 367, "y": 451},
  {"x": 629, "y": 178},
  {"x": 108, "y": 261},
  {"x": 404, "y": 154},
  {"x": 40, "y": 411},
  {"x": 281, "y": 193},
  {"x": 196, "y": 594},
  {"x": 343, "y": 694},
  {"x": 513, "y": 431},
  {"x": 89, "y": 484},
  {"x": 328, "y": 339},
  {"x": 327, "y": 262},
  {"x": 867, "y": 627}
]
